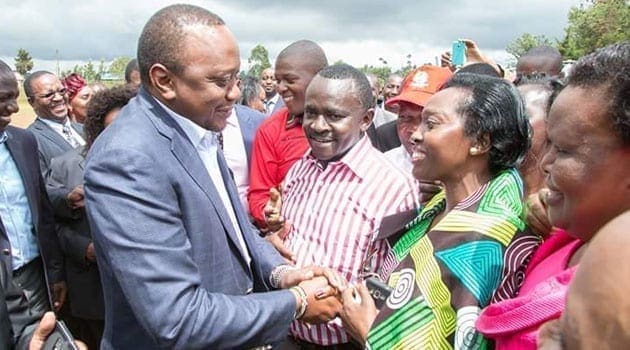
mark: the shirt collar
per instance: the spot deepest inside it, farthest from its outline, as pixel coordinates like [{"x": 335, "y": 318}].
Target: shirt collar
[
  {"x": 292, "y": 121},
  {"x": 55, "y": 124},
  {"x": 356, "y": 158},
  {"x": 3, "y": 136},
  {"x": 195, "y": 133}
]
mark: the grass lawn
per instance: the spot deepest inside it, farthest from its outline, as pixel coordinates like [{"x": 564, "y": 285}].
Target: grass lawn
[{"x": 25, "y": 116}]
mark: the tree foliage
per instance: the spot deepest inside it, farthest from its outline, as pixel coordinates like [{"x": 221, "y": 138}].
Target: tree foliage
[
  {"x": 258, "y": 61},
  {"x": 87, "y": 71},
  {"x": 525, "y": 42},
  {"x": 23, "y": 62},
  {"x": 118, "y": 65},
  {"x": 595, "y": 24}
]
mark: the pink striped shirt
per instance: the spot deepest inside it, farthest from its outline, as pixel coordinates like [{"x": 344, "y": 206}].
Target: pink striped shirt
[{"x": 336, "y": 212}]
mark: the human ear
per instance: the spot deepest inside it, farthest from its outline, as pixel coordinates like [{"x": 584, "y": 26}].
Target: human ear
[
  {"x": 481, "y": 145},
  {"x": 162, "y": 81},
  {"x": 367, "y": 119}
]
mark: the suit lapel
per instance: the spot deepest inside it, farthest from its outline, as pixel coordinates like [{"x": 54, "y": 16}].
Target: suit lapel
[{"x": 52, "y": 135}]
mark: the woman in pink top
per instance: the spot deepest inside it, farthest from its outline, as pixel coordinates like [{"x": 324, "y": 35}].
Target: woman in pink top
[{"x": 587, "y": 173}]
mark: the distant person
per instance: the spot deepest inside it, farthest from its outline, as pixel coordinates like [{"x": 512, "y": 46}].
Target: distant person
[
  {"x": 381, "y": 115},
  {"x": 29, "y": 249},
  {"x": 543, "y": 59},
  {"x": 391, "y": 89},
  {"x": 273, "y": 101},
  {"x": 132, "y": 73},
  {"x": 280, "y": 140},
  {"x": 55, "y": 132},
  {"x": 79, "y": 94},
  {"x": 252, "y": 94},
  {"x": 65, "y": 180},
  {"x": 180, "y": 264}
]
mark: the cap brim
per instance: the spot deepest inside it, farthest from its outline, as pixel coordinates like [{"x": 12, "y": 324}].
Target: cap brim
[{"x": 418, "y": 98}]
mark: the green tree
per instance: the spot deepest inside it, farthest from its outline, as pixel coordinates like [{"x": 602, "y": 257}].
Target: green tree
[
  {"x": 258, "y": 61},
  {"x": 526, "y": 42},
  {"x": 381, "y": 72},
  {"x": 594, "y": 24},
  {"x": 89, "y": 72},
  {"x": 118, "y": 65},
  {"x": 23, "y": 62}
]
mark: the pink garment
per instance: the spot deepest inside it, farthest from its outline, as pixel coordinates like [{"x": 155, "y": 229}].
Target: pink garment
[{"x": 514, "y": 323}]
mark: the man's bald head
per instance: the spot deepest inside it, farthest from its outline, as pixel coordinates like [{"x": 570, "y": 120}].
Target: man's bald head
[
  {"x": 541, "y": 59},
  {"x": 311, "y": 55},
  {"x": 163, "y": 38}
]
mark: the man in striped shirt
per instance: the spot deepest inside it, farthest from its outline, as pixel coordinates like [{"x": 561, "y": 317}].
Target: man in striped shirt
[{"x": 337, "y": 194}]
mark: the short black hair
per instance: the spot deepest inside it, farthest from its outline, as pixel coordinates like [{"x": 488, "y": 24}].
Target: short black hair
[
  {"x": 102, "y": 103},
  {"x": 550, "y": 84},
  {"x": 608, "y": 68},
  {"x": 131, "y": 66},
  {"x": 310, "y": 52},
  {"x": 163, "y": 37},
  {"x": 494, "y": 109},
  {"x": 250, "y": 89},
  {"x": 479, "y": 68},
  {"x": 28, "y": 81},
  {"x": 359, "y": 81},
  {"x": 5, "y": 71}
]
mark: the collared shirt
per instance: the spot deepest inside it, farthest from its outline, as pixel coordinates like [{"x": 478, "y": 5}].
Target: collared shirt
[
  {"x": 236, "y": 156},
  {"x": 400, "y": 158},
  {"x": 58, "y": 127},
  {"x": 336, "y": 212},
  {"x": 15, "y": 210},
  {"x": 270, "y": 104},
  {"x": 207, "y": 146},
  {"x": 279, "y": 143},
  {"x": 383, "y": 116}
]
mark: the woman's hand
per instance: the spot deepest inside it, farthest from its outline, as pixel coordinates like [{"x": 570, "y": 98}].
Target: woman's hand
[{"x": 358, "y": 312}]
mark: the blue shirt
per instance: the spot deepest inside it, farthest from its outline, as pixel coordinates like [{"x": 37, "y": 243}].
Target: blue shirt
[{"x": 15, "y": 211}]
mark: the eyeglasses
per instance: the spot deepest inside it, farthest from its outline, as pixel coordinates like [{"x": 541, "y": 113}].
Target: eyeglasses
[{"x": 51, "y": 95}]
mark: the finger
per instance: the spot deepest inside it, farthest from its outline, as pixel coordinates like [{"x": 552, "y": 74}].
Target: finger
[
  {"x": 80, "y": 190},
  {"x": 364, "y": 293},
  {"x": 347, "y": 296},
  {"x": 286, "y": 228},
  {"x": 335, "y": 280},
  {"x": 325, "y": 292},
  {"x": 45, "y": 327},
  {"x": 274, "y": 194},
  {"x": 81, "y": 345}
]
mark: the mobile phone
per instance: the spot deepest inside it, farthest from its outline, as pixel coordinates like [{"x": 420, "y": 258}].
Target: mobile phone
[
  {"x": 378, "y": 290},
  {"x": 60, "y": 338},
  {"x": 458, "y": 53}
]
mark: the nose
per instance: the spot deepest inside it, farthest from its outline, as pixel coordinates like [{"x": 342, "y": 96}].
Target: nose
[
  {"x": 234, "y": 92},
  {"x": 547, "y": 159},
  {"x": 416, "y": 137},
  {"x": 319, "y": 124},
  {"x": 282, "y": 86}
]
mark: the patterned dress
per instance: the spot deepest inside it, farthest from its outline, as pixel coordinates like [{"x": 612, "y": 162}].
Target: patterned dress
[{"x": 443, "y": 277}]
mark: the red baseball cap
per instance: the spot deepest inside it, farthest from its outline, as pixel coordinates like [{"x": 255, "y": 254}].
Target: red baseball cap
[{"x": 420, "y": 84}]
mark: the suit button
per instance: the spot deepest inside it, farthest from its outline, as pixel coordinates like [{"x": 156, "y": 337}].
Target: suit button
[{"x": 6, "y": 252}]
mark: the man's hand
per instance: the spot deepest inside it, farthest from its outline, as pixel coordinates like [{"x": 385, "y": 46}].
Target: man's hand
[
  {"x": 537, "y": 216},
  {"x": 272, "y": 210},
  {"x": 43, "y": 330},
  {"x": 445, "y": 61},
  {"x": 90, "y": 253},
  {"x": 277, "y": 241},
  {"x": 474, "y": 55},
  {"x": 75, "y": 198},
  {"x": 321, "y": 308},
  {"x": 358, "y": 312},
  {"x": 59, "y": 291},
  {"x": 292, "y": 278}
]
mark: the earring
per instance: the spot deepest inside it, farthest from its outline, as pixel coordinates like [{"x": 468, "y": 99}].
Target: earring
[{"x": 473, "y": 151}]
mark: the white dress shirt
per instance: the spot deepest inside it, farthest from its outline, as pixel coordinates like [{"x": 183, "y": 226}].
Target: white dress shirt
[
  {"x": 400, "y": 158},
  {"x": 270, "y": 104},
  {"x": 207, "y": 146},
  {"x": 236, "y": 156},
  {"x": 58, "y": 127}
]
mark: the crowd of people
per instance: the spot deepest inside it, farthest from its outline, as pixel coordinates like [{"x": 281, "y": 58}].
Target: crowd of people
[{"x": 191, "y": 209}]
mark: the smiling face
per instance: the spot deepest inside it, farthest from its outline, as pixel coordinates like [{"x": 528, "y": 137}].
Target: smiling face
[
  {"x": 293, "y": 74},
  {"x": 334, "y": 119},
  {"x": 206, "y": 89},
  {"x": 9, "y": 93},
  {"x": 268, "y": 82},
  {"x": 586, "y": 165},
  {"x": 78, "y": 104},
  {"x": 409, "y": 120},
  {"x": 440, "y": 147},
  {"x": 49, "y": 100}
]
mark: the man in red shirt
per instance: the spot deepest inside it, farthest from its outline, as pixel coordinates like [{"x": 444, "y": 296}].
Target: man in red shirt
[{"x": 280, "y": 141}]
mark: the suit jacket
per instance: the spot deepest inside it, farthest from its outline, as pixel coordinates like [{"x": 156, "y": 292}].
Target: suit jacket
[
  {"x": 17, "y": 322},
  {"x": 248, "y": 119},
  {"x": 387, "y": 136},
  {"x": 50, "y": 143},
  {"x": 172, "y": 270},
  {"x": 277, "y": 106},
  {"x": 73, "y": 230},
  {"x": 22, "y": 146}
]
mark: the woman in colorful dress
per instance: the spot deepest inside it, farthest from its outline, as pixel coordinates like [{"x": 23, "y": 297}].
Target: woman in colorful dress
[{"x": 452, "y": 257}]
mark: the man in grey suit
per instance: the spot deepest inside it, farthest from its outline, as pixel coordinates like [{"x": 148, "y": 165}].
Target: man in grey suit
[
  {"x": 273, "y": 101},
  {"x": 180, "y": 264},
  {"x": 54, "y": 131}
]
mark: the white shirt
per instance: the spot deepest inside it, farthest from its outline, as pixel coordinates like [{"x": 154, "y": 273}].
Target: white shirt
[
  {"x": 206, "y": 144},
  {"x": 270, "y": 104},
  {"x": 58, "y": 127},
  {"x": 383, "y": 116},
  {"x": 400, "y": 158},
  {"x": 236, "y": 156}
]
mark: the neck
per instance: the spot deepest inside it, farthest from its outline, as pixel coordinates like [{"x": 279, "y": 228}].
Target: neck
[
  {"x": 461, "y": 187},
  {"x": 60, "y": 120},
  {"x": 270, "y": 95}
]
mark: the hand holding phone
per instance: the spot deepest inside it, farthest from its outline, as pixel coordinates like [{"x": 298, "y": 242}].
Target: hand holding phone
[
  {"x": 60, "y": 338},
  {"x": 458, "y": 53},
  {"x": 378, "y": 290}
]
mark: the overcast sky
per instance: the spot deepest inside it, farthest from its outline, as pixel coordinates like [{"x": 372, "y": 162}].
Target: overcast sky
[{"x": 357, "y": 32}]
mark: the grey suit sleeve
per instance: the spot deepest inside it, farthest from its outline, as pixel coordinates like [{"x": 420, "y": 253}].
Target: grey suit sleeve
[{"x": 137, "y": 229}]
